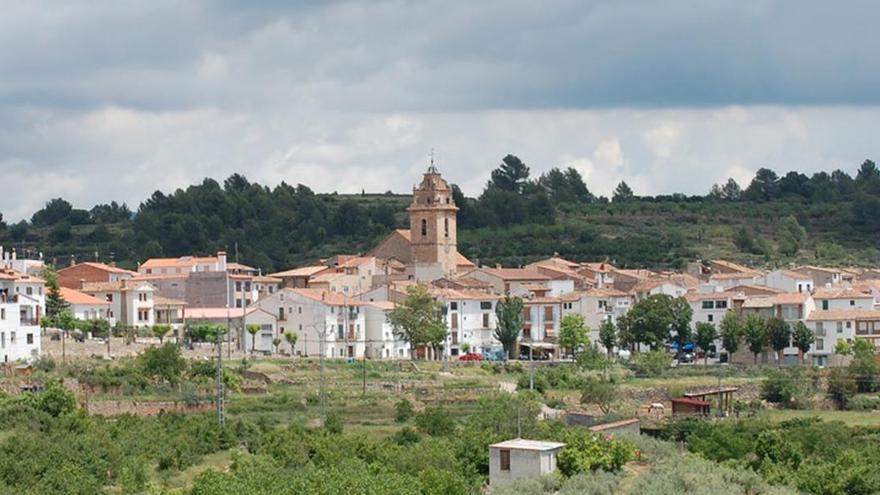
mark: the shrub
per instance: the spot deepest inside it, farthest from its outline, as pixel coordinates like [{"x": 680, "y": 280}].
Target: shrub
[
  {"x": 585, "y": 452},
  {"x": 599, "y": 392},
  {"x": 404, "y": 411},
  {"x": 651, "y": 364},
  {"x": 778, "y": 387},
  {"x": 45, "y": 364},
  {"x": 540, "y": 382},
  {"x": 333, "y": 423},
  {"x": 592, "y": 358},
  {"x": 406, "y": 436},
  {"x": 863, "y": 403},
  {"x": 435, "y": 421}
]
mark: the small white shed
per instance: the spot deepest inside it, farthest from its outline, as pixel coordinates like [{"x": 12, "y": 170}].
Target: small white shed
[{"x": 519, "y": 458}]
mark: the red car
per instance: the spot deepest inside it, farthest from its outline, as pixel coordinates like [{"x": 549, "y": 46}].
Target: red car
[{"x": 471, "y": 356}]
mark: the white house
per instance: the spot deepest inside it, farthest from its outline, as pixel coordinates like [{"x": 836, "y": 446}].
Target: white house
[
  {"x": 518, "y": 458},
  {"x": 788, "y": 281},
  {"x": 710, "y": 307},
  {"x": 84, "y": 306},
  {"x": 382, "y": 341},
  {"x": 596, "y": 306},
  {"x": 237, "y": 320},
  {"x": 516, "y": 281},
  {"x": 131, "y": 302},
  {"x": 651, "y": 287},
  {"x": 323, "y": 320},
  {"x": 470, "y": 319},
  {"x": 21, "y": 306},
  {"x": 842, "y": 298},
  {"x": 841, "y": 324}
]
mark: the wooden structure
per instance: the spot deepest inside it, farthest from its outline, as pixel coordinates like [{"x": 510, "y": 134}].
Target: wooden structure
[
  {"x": 721, "y": 398},
  {"x": 686, "y": 406}
]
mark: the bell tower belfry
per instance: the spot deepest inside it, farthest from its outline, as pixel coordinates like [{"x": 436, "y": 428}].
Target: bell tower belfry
[{"x": 432, "y": 225}]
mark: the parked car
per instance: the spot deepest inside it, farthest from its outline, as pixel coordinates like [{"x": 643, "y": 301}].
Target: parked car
[
  {"x": 686, "y": 357},
  {"x": 471, "y": 356}
]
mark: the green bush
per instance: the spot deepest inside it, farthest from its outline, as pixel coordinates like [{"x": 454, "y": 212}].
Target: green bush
[
  {"x": 585, "y": 452},
  {"x": 333, "y": 423},
  {"x": 779, "y": 387},
  {"x": 863, "y": 403},
  {"x": 651, "y": 364},
  {"x": 435, "y": 421},
  {"x": 540, "y": 381},
  {"x": 403, "y": 411}
]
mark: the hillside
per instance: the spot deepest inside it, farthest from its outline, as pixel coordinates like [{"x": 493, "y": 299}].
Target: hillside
[{"x": 514, "y": 221}]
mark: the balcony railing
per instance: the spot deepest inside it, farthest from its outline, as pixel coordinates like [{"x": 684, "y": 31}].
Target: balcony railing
[{"x": 30, "y": 322}]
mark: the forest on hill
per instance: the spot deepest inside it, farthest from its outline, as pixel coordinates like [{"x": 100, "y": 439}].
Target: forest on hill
[{"x": 831, "y": 218}]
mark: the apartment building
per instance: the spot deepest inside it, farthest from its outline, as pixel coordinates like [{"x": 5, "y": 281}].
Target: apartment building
[
  {"x": 131, "y": 301},
  {"x": 22, "y": 305}
]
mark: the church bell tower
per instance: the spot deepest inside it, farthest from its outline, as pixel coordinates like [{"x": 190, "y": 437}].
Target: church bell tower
[{"x": 432, "y": 216}]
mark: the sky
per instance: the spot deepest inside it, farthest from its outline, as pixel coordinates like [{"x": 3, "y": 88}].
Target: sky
[{"x": 112, "y": 100}]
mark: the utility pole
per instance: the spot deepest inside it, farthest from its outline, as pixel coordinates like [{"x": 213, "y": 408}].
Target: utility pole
[
  {"x": 221, "y": 412},
  {"x": 531, "y": 366}
]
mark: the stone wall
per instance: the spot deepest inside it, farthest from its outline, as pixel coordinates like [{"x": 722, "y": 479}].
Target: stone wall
[{"x": 151, "y": 408}]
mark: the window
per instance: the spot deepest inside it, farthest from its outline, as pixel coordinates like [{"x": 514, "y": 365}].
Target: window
[
  {"x": 30, "y": 338},
  {"x": 446, "y": 227},
  {"x": 820, "y": 344},
  {"x": 824, "y": 304},
  {"x": 708, "y": 305},
  {"x": 485, "y": 304},
  {"x": 238, "y": 286},
  {"x": 2, "y": 313},
  {"x": 848, "y": 324},
  {"x": 839, "y": 327},
  {"x": 29, "y": 291},
  {"x": 454, "y": 320},
  {"x": 820, "y": 328},
  {"x": 109, "y": 297},
  {"x": 720, "y": 304},
  {"x": 280, "y": 313},
  {"x": 485, "y": 320},
  {"x": 453, "y": 306},
  {"x": 505, "y": 459},
  {"x": 424, "y": 227},
  {"x": 710, "y": 318},
  {"x": 299, "y": 309},
  {"x": 11, "y": 337},
  {"x": 852, "y": 302}
]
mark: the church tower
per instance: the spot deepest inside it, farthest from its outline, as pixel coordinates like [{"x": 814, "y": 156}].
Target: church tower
[{"x": 432, "y": 227}]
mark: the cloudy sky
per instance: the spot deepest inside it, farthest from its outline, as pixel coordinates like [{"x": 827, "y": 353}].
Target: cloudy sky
[{"x": 113, "y": 100}]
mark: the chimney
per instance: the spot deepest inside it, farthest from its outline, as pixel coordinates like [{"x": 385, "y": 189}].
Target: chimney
[
  {"x": 498, "y": 266},
  {"x": 221, "y": 261}
]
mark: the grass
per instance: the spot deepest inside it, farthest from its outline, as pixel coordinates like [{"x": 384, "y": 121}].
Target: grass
[{"x": 851, "y": 418}]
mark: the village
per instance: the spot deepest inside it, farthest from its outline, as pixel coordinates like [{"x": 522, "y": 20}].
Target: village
[{"x": 338, "y": 307}]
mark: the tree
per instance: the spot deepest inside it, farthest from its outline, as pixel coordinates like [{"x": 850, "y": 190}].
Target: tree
[
  {"x": 705, "y": 336},
  {"x": 418, "y": 319},
  {"x": 681, "y": 321},
  {"x": 651, "y": 320},
  {"x": 160, "y": 331},
  {"x": 608, "y": 336},
  {"x": 511, "y": 175},
  {"x": 764, "y": 187},
  {"x": 573, "y": 333},
  {"x": 253, "y": 329},
  {"x": 291, "y": 338},
  {"x": 55, "y": 211},
  {"x": 731, "y": 191},
  {"x": 755, "y": 333},
  {"x": 599, "y": 392},
  {"x": 622, "y": 193},
  {"x": 731, "y": 332},
  {"x": 163, "y": 363},
  {"x": 275, "y": 343},
  {"x": 802, "y": 338},
  {"x": 778, "y": 335},
  {"x": 863, "y": 366},
  {"x": 510, "y": 323},
  {"x": 791, "y": 236},
  {"x": 55, "y": 304}
]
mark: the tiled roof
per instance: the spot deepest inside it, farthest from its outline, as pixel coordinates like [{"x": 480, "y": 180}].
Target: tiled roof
[
  {"x": 463, "y": 294},
  {"x": 515, "y": 274},
  {"x": 219, "y": 313},
  {"x": 120, "y": 286},
  {"x": 304, "y": 271},
  {"x": 817, "y": 269},
  {"x": 734, "y": 276},
  {"x": 265, "y": 279},
  {"x": 167, "y": 301},
  {"x": 844, "y": 314},
  {"x": 791, "y": 298},
  {"x": 405, "y": 233},
  {"x": 705, "y": 296},
  {"x": 100, "y": 266},
  {"x": 840, "y": 293},
  {"x": 183, "y": 262},
  {"x": 10, "y": 274},
  {"x": 77, "y": 297},
  {"x": 733, "y": 266},
  {"x": 327, "y": 297}
]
